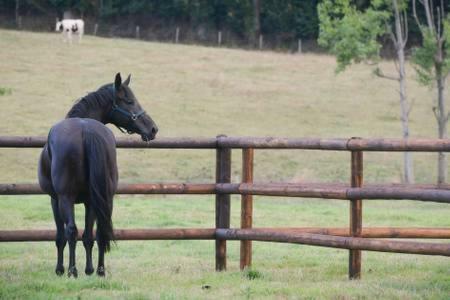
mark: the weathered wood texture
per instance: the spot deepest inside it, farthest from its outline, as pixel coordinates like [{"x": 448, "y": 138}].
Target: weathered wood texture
[
  {"x": 355, "y": 239},
  {"x": 372, "y": 232},
  {"x": 209, "y": 233},
  {"x": 246, "y": 207},
  {"x": 223, "y": 175},
  {"x": 427, "y": 145},
  {"x": 422, "y": 192},
  {"x": 354, "y": 269},
  {"x": 353, "y": 243},
  {"x": 144, "y": 188},
  {"x": 119, "y": 234}
]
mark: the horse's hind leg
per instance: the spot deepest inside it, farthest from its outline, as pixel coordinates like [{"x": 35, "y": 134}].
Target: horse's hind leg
[
  {"x": 60, "y": 237},
  {"x": 66, "y": 208},
  {"x": 88, "y": 238},
  {"x": 101, "y": 255}
]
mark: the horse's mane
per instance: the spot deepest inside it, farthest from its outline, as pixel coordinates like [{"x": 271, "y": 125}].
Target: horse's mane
[{"x": 92, "y": 101}]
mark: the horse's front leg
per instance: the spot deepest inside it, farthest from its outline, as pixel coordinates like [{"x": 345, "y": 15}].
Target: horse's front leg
[
  {"x": 69, "y": 36},
  {"x": 60, "y": 240},
  {"x": 66, "y": 208},
  {"x": 88, "y": 238}
]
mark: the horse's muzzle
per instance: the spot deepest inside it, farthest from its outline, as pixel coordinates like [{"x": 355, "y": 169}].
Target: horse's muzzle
[{"x": 148, "y": 136}]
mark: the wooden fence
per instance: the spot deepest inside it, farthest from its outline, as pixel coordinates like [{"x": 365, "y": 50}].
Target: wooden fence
[{"x": 355, "y": 237}]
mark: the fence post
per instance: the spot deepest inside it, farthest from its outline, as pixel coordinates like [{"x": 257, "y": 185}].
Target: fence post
[
  {"x": 177, "y": 35},
  {"x": 138, "y": 32},
  {"x": 95, "y": 29},
  {"x": 354, "y": 271},
  {"x": 246, "y": 207},
  {"x": 223, "y": 175},
  {"x": 219, "y": 38}
]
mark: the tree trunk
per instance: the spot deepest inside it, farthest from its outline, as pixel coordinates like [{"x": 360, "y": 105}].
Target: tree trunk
[
  {"x": 399, "y": 42},
  {"x": 404, "y": 108},
  {"x": 442, "y": 125},
  {"x": 256, "y": 22},
  {"x": 439, "y": 111}
]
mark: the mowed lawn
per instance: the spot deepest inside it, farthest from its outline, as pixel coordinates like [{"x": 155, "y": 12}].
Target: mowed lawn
[{"x": 202, "y": 92}]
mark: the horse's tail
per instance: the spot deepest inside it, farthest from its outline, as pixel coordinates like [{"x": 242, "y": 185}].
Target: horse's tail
[{"x": 100, "y": 189}]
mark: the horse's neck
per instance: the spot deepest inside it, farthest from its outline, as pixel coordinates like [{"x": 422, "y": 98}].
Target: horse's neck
[
  {"x": 98, "y": 115},
  {"x": 92, "y": 108}
]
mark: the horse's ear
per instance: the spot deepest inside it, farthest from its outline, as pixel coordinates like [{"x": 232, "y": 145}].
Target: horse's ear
[
  {"x": 117, "y": 81},
  {"x": 127, "y": 81}
]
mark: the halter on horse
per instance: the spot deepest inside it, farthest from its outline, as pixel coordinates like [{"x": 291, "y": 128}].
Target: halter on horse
[{"x": 78, "y": 165}]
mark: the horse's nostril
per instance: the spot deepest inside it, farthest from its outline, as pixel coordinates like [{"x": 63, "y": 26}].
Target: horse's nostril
[{"x": 154, "y": 130}]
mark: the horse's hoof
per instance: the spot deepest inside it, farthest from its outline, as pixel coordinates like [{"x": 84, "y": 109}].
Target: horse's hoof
[
  {"x": 59, "y": 271},
  {"x": 101, "y": 271},
  {"x": 89, "y": 271},
  {"x": 72, "y": 272}
]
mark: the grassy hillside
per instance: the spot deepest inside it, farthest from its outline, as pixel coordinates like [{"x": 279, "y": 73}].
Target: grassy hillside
[
  {"x": 198, "y": 91},
  {"x": 203, "y": 92}
]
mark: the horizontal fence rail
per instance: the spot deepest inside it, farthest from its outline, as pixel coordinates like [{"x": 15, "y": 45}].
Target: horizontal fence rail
[
  {"x": 210, "y": 233},
  {"x": 355, "y": 238},
  {"x": 428, "y": 193},
  {"x": 352, "y": 144},
  {"x": 336, "y": 241}
]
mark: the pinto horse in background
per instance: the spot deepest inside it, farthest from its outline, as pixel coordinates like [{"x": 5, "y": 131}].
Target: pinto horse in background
[
  {"x": 68, "y": 27},
  {"x": 78, "y": 165}
]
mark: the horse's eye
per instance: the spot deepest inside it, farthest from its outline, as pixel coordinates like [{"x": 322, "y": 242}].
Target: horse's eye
[{"x": 126, "y": 100}]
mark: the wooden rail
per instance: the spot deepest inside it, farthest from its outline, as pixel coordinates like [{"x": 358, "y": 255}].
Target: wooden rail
[
  {"x": 427, "y": 193},
  {"x": 355, "y": 238},
  {"x": 396, "y": 145},
  {"x": 353, "y": 243},
  {"x": 210, "y": 233}
]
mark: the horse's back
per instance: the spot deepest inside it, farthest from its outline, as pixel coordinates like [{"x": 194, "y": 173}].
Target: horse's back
[
  {"x": 64, "y": 159},
  {"x": 69, "y": 23}
]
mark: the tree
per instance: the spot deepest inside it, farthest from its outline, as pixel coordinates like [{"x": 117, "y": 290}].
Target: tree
[
  {"x": 354, "y": 36},
  {"x": 399, "y": 37},
  {"x": 432, "y": 63}
]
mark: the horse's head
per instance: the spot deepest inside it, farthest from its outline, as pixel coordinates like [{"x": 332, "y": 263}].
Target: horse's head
[
  {"x": 127, "y": 113},
  {"x": 59, "y": 25}
]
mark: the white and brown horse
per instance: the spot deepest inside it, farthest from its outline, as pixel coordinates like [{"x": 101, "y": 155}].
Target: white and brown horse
[{"x": 70, "y": 27}]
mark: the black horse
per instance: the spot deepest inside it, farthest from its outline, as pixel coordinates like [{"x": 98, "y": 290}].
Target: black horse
[{"x": 78, "y": 165}]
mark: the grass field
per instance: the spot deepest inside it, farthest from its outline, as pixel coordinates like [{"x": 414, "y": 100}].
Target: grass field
[{"x": 203, "y": 92}]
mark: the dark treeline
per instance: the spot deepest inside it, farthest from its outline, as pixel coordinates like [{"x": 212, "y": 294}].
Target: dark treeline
[{"x": 281, "y": 22}]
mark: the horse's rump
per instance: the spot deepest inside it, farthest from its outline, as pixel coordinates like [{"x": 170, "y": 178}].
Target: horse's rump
[{"x": 82, "y": 156}]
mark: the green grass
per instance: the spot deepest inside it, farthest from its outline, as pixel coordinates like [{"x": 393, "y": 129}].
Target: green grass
[{"x": 203, "y": 92}]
